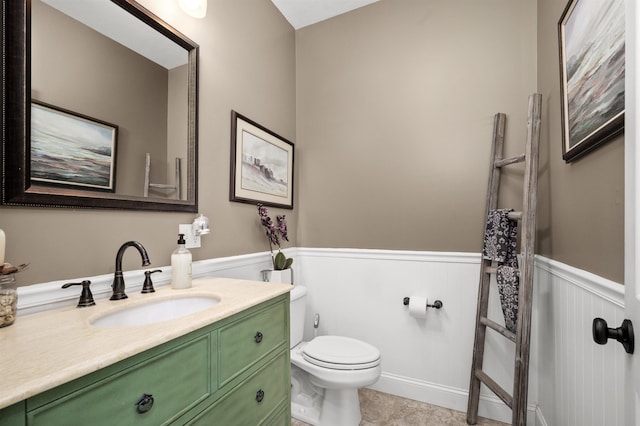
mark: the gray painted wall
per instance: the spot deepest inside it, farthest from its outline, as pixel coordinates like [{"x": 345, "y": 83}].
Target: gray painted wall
[
  {"x": 391, "y": 112},
  {"x": 395, "y": 113},
  {"x": 395, "y": 105},
  {"x": 582, "y": 208}
]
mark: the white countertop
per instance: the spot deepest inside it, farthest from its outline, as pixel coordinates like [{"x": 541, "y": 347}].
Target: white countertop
[{"x": 41, "y": 351}]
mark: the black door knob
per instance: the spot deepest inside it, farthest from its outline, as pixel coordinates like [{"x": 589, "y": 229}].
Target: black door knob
[{"x": 623, "y": 334}]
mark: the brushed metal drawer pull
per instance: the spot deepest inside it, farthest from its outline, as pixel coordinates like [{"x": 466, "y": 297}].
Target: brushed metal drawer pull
[
  {"x": 259, "y": 396},
  {"x": 144, "y": 404},
  {"x": 258, "y": 337}
]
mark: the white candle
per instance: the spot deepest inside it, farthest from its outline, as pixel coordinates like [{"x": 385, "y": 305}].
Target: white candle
[{"x": 2, "y": 243}]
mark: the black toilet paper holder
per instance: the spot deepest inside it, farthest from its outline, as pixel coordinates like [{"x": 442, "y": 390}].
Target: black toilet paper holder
[{"x": 437, "y": 304}]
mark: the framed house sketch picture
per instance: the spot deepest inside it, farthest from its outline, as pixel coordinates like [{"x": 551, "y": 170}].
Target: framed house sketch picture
[{"x": 261, "y": 165}]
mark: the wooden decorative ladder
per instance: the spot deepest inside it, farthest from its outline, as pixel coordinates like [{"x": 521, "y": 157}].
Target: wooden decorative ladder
[
  {"x": 518, "y": 400},
  {"x": 147, "y": 183}
]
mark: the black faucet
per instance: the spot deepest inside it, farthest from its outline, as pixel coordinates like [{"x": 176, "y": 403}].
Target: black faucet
[{"x": 118, "y": 279}]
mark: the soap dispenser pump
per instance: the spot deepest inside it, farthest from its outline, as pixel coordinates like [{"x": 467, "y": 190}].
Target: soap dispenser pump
[{"x": 181, "y": 266}]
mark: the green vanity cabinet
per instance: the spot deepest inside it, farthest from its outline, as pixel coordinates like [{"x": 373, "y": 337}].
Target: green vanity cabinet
[
  {"x": 233, "y": 372},
  {"x": 255, "y": 400},
  {"x": 13, "y": 415}
]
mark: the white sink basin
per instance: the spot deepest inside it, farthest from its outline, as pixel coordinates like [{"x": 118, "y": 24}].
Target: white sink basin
[{"x": 155, "y": 311}]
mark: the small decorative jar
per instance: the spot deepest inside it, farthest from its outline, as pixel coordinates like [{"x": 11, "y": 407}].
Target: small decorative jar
[{"x": 8, "y": 300}]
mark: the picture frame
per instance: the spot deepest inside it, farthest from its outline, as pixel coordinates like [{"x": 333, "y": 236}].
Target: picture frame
[
  {"x": 69, "y": 149},
  {"x": 261, "y": 165},
  {"x": 591, "y": 37}
]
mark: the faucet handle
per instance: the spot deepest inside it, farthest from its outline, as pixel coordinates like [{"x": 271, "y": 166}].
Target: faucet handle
[
  {"x": 147, "y": 287},
  {"x": 86, "y": 298}
]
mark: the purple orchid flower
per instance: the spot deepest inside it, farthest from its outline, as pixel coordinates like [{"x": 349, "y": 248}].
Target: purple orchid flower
[
  {"x": 272, "y": 231},
  {"x": 282, "y": 227}
]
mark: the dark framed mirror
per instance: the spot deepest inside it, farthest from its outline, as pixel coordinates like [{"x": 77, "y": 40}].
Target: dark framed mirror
[{"x": 94, "y": 117}]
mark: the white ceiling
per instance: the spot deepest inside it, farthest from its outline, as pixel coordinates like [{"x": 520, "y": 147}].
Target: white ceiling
[
  {"x": 114, "y": 22},
  {"x": 301, "y": 13},
  {"x": 104, "y": 17}
]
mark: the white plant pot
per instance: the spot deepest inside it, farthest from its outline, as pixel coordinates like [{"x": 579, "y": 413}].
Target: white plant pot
[{"x": 284, "y": 276}]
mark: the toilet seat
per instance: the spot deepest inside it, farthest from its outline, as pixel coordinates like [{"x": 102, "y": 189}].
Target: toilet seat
[{"x": 341, "y": 353}]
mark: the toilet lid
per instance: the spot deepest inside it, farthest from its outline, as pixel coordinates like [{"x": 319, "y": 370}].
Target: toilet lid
[{"x": 341, "y": 353}]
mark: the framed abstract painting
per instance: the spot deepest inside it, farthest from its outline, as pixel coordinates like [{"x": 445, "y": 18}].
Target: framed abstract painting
[
  {"x": 592, "y": 68},
  {"x": 71, "y": 149}
]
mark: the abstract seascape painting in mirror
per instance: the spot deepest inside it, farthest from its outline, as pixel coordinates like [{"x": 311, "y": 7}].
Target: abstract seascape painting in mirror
[{"x": 70, "y": 149}]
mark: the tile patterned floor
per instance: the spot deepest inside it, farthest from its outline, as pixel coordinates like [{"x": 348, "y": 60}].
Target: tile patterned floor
[{"x": 381, "y": 409}]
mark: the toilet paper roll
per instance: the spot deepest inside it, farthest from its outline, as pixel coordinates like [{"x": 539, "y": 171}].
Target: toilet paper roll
[{"x": 418, "y": 306}]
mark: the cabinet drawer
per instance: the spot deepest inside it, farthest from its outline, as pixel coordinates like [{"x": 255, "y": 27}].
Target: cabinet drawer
[
  {"x": 283, "y": 418},
  {"x": 254, "y": 400},
  {"x": 177, "y": 380},
  {"x": 244, "y": 342}
]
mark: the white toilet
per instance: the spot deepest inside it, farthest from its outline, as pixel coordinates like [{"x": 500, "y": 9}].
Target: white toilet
[{"x": 327, "y": 372}]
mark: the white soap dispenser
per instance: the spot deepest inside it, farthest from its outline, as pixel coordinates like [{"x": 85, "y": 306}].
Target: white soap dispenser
[{"x": 181, "y": 266}]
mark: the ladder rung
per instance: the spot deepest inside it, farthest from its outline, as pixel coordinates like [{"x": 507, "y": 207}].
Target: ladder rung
[
  {"x": 506, "y": 161},
  {"x": 490, "y": 270},
  {"x": 514, "y": 215},
  {"x": 495, "y": 388},
  {"x": 497, "y": 327}
]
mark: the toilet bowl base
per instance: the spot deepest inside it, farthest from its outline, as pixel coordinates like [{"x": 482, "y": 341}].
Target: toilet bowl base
[
  {"x": 323, "y": 396},
  {"x": 306, "y": 398},
  {"x": 306, "y": 414},
  {"x": 340, "y": 407}
]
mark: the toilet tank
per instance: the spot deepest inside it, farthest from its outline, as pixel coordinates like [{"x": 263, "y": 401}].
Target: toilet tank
[{"x": 297, "y": 313}]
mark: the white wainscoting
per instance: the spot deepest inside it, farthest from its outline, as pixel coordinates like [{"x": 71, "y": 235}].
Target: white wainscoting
[
  {"x": 359, "y": 293},
  {"x": 573, "y": 381},
  {"x": 580, "y": 383}
]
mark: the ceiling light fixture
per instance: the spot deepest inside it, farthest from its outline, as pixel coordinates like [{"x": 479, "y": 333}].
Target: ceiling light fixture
[{"x": 195, "y": 8}]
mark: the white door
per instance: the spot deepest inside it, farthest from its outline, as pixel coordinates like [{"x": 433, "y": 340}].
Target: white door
[{"x": 632, "y": 209}]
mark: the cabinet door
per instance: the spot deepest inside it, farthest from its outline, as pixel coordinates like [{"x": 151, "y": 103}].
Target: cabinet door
[
  {"x": 13, "y": 415},
  {"x": 176, "y": 380},
  {"x": 245, "y": 342},
  {"x": 254, "y": 400}
]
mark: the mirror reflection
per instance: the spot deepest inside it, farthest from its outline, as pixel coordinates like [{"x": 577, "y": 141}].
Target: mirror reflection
[
  {"x": 110, "y": 114},
  {"x": 80, "y": 47}
]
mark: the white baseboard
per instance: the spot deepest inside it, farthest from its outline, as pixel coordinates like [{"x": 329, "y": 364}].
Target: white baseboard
[{"x": 491, "y": 407}]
